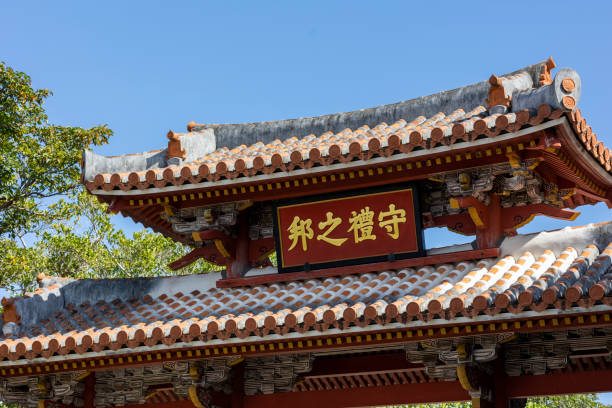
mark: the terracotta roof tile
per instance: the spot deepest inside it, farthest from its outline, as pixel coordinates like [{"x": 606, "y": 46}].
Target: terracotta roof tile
[
  {"x": 217, "y": 152},
  {"x": 347, "y": 145},
  {"x": 532, "y": 279}
]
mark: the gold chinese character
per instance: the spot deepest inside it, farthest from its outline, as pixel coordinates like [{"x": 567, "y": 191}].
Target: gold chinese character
[
  {"x": 362, "y": 224},
  {"x": 332, "y": 223},
  {"x": 300, "y": 230},
  {"x": 390, "y": 225}
]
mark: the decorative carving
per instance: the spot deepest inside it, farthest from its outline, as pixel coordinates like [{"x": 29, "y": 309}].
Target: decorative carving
[
  {"x": 545, "y": 75},
  {"x": 568, "y": 102},
  {"x": 58, "y": 390},
  {"x": 568, "y": 85},
  {"x": 174, "y": 146},
  {"x": 441, "y": 357},
  {"x": 199, "y": 396},
  {"x": 193, "y": 219},
  {"x": 213, "y": 374},
  {"x": 540, "y": 353},
  {"x": 267, "y": 375},
  {"x": 497, "y": 93},
  {"x": 132, "y": 385},
  {"x": 10, "y": 311}
]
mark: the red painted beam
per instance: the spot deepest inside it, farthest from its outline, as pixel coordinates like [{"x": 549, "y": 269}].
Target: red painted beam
[
  {"x": 374, "y": 267},
  {"x": 363, "y": 397},
  {"x": 171, "y": 404},
  {"x": 559, "y": 384},
  {"x": 210, "y": 253},
  {"x": 459, "y": 223},
  {"x": 361, "y": 365},
  {"x": 442, "y": 391},
  {"x": 514, "y": 217}
]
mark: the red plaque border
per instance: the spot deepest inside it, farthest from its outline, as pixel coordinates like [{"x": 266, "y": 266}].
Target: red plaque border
[{"x": 418, "y": 252}]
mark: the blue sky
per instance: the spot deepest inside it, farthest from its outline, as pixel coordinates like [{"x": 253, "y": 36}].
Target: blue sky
[{"x": 146, "y": 67}]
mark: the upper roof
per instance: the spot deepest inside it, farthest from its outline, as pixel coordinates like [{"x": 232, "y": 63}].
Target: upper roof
[
  {"x": 546, "y": 274},
  {"x": 209, "y": 153}
]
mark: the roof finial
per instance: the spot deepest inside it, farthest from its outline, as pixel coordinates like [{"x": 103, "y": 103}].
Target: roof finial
[
  {"x": 174, "y": 146},
  {"x": 10, "y": 311},
  {"x": 497, "y": 93},
  {"x": 545, "y": 76}
]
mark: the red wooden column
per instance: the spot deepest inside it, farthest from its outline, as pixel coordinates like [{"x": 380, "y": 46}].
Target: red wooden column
[
  {"x": 489, "y": 236},
  {"x": 89, "y": 393},
  {"x": 237, "y": 399},
  {"x": 500, "y": 394},
  {"x": 240, "y": 264},
  {"x": 486, "y": 218}
]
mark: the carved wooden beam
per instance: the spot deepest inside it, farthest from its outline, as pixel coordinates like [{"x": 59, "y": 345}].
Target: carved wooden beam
[
  {"x": 516, "y": 217},
  {"x": 459, "y": 223},
  {"x": 476, "y": 209},
  {"x": 210, "y": 253},
  {"x": 486, "y": 218},
  {"x": 258, "y": 252}
]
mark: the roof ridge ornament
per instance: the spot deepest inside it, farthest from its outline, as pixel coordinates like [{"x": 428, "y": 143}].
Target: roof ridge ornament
[
  {"x": 175, "y": 152},
  {"x": 497, "y": 93},
  {"x": 545, "y": 75},
  {"x": 10, "y": 318}
]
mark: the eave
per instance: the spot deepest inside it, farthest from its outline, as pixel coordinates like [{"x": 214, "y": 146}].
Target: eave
[
  {"x": 571, "y": 160},
  {"x": 336, "y": 339}
]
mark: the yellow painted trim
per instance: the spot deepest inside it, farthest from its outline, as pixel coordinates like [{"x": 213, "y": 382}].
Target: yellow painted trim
[
  {"x": 237, "y": 361},
  {"x": 527, "y": 221},
  {"x": 454, "y": 203},
  {"x": 245, "y": 206},
  {"x": 193, "y": 396},
  {"x": 151, "y": 395},
  {"x": 221, "y": 248},
  {"x": 463, "y": 378},
  {"x": 476, "y": 217},
  {"x": 196, "y": 236}
]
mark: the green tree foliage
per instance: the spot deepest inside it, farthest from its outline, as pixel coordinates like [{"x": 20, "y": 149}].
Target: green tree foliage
[
  {"x": 74, "y": 236},
  {"x": 80, "y": 241},
  {"x": 48, "y": 223},
  {"x": 39, "y": 160}
]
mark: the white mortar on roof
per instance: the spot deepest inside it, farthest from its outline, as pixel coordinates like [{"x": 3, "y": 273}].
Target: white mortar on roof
[
  {"x": 185, "y": 284},
  {"x": 558, "y": 241}
]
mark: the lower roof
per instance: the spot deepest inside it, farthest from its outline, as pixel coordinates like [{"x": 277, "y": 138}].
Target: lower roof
[{"x": 542, "y": 274}]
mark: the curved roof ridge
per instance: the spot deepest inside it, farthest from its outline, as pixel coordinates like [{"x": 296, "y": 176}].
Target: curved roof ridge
[{"x": 467, "y": 97}]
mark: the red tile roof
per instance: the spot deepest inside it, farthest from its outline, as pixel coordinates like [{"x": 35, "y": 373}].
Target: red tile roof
[
  {"x": 127, "y": 313},
  {"x": 363, "y": 143}
]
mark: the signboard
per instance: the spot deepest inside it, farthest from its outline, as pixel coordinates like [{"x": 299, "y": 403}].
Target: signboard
[{"x": 356, "y": 227}]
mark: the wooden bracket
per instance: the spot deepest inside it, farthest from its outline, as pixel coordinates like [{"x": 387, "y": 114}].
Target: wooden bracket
[
  {"x": 486, "y": 219},
  {"x": 459, "y": 223},
  {"x": 476, "y": 209},
  {"x": 517, "y": 217},
  {"x": 226, "y": 251},
  {"x": 492, "y": 222}
]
